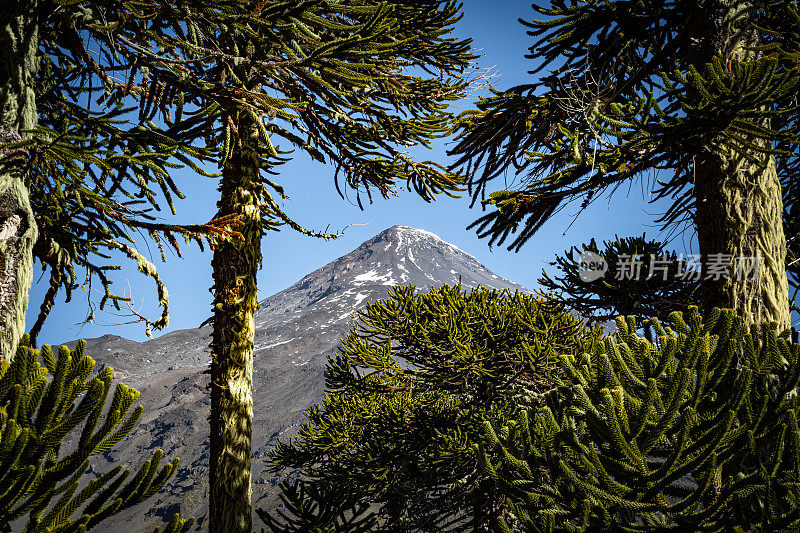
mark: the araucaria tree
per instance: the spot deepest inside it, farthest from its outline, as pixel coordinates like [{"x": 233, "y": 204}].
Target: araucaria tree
[
  {"x": 702, "y": 95},
  {"x": 642, "y": 278},
  {"x": 355, "y": 84},
  {"x": 667, "y": 432},
  {"x": 407, "y": 396},
  {"x": 90, "y": 128},
  {"x": 91, "y": 108},
  {"x": 127, "y": 90},
  {"x": 46, "y": 401}
]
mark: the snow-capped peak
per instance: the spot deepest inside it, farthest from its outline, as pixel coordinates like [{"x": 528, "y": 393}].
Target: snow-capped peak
[{"x": 399, "y": 255}]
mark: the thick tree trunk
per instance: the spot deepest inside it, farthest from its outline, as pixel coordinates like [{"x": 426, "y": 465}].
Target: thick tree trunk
[
  {"x": 234, "y": 269},
  {"x": 18, "y": 47},
  {"x": 739, "y": 216},
  {"x": 739, "y": 204}
]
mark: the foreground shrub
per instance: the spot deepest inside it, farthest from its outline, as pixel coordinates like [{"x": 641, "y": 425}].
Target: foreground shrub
[
  {"x": 40, "y": 405},
  {"x": 687, "y": 430},
  {"x": 406, "y": 397}
]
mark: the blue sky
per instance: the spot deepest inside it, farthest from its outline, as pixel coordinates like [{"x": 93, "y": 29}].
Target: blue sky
[{"x": 314, "y": 202}]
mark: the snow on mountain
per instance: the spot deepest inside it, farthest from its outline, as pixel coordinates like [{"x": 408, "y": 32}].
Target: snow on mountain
[
  {"x": 398, "y": 256},
  {"x": 295, "y": 330}
]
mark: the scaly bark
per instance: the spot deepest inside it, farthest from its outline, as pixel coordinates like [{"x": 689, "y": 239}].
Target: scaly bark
[
  {"x": 739, "y": 212},
  {"x": 18, "y": 48},
  {"x": 235, "y": 264},
  {"x": 739, "y": 204}
]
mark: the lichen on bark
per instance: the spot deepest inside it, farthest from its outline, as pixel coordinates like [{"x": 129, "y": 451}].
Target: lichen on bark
[
  {"x": 738, "y": 199},
  {"x": 18, "y": 50},
  {"x": 235, "y": 265},
  {"x": 739, "y": 213}
]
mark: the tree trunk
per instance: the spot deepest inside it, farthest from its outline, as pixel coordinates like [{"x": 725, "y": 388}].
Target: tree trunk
[
  {"x": 739, "y": 204},
  {"x": 235, "y": 264},
  {"x": 19, "y": 43},
  {"x": 739, "y": 213}
]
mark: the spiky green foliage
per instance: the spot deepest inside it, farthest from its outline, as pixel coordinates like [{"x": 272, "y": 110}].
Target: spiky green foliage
[
  {"x": 98, "y": 164},
  {"x": 643, "y": 279},
  {"x": 351, "y": 83},
  {"x": 687, "y": 430},
  {"x": 407, "y": 394},
  {"x": 318, "y": 508},
  {"x": 129, "y": 91},
  {"x": 135, "y": 88},
  {"x": 627, "y": 89},
  {"x": 54, "y": 416}
]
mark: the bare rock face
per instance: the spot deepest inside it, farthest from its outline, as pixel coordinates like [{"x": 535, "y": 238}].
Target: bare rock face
[{"x": 295, "y": 330}]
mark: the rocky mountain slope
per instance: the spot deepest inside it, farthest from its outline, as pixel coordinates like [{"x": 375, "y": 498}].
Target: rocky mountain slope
[{"x": 295, "y": 330}]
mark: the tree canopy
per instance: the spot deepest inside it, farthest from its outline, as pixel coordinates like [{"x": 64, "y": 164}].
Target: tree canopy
[
  {"x": 628, "y": 90},
  {"x": 128, "y": 92},
  {"x": 698, "y": 99},
  {"x": 406, "y": 398},
  {"x": 124, "y": 92},
  {"x": 668, "y": 431},
  {"x": 53, "y": 420}
]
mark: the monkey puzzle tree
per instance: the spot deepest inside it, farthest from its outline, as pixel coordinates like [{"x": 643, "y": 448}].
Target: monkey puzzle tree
[
  {"x": 704, "y": 94},
  {"x": 356, "y": 84},
  {"x": 406, "y": 398},
  {"x": 642, "y": 279},
  {"x": 46, "y": 401},
  {"x": 82, "y": 171},
  {"x": 667, "y": 432},
  {"x": 96, "y": 76}
]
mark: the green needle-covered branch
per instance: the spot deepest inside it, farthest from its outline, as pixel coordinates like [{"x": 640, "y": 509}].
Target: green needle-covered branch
[
  {"x": 44, "y": 399},
  {"x": 407, "y": 394},
  {"x": 691, "y": 429},
  {"x": 697, "y": 99},
  {"x": 358, "y": 85}
]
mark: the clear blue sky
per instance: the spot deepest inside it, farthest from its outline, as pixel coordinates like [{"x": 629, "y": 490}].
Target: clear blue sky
[{"x": 288, "y": 256}]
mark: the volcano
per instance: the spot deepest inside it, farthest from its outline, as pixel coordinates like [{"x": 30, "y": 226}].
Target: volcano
[{"x": 295, "y": 330}]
